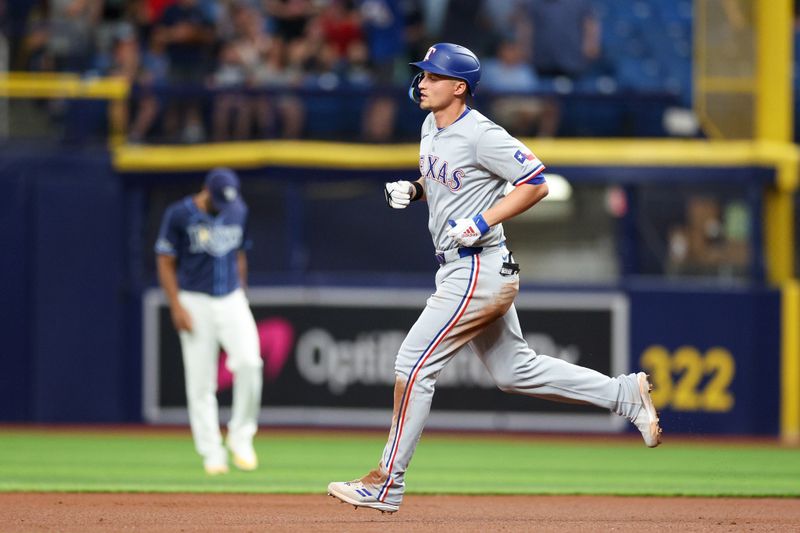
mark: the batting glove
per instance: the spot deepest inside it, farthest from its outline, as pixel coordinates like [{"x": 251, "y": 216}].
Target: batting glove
[
  {"x": 398, "y": 194},
  {"x": 465, "y": 231}
]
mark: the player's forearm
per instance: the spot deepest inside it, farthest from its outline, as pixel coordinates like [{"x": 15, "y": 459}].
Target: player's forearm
[
  {"x": 242, "y": 264},
  {"x": 517, "y": 201},
  {"x": 168, "y": 278},
  {"x": 591, "y": 38}
]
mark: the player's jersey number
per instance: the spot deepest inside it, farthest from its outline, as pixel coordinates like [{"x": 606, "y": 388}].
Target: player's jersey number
[{"x": 687, "y": 380}]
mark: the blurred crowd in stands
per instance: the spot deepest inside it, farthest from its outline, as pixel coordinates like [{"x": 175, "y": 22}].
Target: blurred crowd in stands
[{"x": 218, "y": 70}]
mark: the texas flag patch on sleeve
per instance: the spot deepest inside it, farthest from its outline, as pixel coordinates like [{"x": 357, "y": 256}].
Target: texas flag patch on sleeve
[
  {"x": 532, "y": 167},
  {"x": 521, "y": 156}
]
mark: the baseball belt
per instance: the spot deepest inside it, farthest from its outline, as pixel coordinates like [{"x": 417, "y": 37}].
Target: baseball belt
[{"x": 448, "y": 256}]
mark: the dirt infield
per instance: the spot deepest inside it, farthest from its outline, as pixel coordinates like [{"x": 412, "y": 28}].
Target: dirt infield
[{"x": 31, "y": 512}]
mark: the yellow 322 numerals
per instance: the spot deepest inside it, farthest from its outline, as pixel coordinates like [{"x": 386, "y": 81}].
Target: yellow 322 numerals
[{"x": 677, "y": 378}]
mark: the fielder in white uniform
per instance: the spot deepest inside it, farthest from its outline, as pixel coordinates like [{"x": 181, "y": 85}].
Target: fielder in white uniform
[
  {"x": 202, "y": 268},
  {"x": 466, "y": 162}
]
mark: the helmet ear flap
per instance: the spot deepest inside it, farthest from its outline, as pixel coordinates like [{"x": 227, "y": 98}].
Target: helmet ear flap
[{"x": 413, "y": 89}]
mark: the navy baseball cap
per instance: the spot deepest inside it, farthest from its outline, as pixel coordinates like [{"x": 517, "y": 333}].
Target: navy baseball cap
[{"x": 223, "y": 185}]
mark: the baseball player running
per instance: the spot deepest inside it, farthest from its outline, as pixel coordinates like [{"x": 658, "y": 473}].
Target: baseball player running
[
  {"x": 202, "y": 268},
  {"x": 465, "y": 163}
]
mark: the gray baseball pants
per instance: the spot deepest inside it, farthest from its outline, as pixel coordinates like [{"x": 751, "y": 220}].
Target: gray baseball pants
[{"x": 473, "y": 304}]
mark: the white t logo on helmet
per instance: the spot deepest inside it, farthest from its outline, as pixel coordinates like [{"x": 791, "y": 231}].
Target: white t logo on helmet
[{"x": 430, "y": 52}]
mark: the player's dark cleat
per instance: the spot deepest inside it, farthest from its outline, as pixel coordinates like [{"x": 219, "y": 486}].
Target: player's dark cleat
[
  {"x": 359, "y": 495},
  {"x": 647, "y": 419}
]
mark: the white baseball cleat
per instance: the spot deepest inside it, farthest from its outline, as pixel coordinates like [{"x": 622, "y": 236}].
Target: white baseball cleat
[
  {"x": 359, "y": 495},
  {"x": 216, "y": 469},
  {"x": 647, "y": 419},
  {"x": 244, "y": 457},
  {"x": 216, "y": 462},
  {"x": 245, "y": 462}
]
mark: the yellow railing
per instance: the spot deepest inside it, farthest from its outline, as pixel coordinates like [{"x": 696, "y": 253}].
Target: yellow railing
[
  {"x": 773, "y": 122},
  {"x": 55, "y": 85},
  {"x": 71, "y": 86}
]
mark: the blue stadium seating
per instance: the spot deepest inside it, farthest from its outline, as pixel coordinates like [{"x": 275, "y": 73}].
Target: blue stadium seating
[{"x": 648, "y": 44}]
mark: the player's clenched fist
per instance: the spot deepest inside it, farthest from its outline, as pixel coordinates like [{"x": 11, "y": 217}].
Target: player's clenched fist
[
  {"x": 401, "y": 193},
  {"x": 465, "y": 231},
  {"x": 398, "y": 194}
]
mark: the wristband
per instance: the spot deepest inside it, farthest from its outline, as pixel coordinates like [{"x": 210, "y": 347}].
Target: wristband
[
  {"x": 418, "y": 191},
  {"x": 481, "y": 223}
]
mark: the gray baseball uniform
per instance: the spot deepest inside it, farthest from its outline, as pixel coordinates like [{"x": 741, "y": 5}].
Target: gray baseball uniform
[{"x": 467, "y": 167}]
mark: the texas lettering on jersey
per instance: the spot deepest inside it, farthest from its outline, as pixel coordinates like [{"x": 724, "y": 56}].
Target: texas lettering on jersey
[
  {"x": 433, "y": 168},
  {"x": 214, "y": 240}
]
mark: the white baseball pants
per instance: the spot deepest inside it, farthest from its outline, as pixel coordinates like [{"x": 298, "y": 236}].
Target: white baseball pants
[{"x": 224, "y": 321}]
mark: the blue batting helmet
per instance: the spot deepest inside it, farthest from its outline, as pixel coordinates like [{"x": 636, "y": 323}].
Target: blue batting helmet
[{"x": 451, "y": 60}]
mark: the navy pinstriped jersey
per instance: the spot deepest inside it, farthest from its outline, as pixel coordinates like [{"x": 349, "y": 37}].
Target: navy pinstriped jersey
[{"x": 205, "y": 246}]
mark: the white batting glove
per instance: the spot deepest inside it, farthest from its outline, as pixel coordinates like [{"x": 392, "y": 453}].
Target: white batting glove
[
  {"x": 465, "y": 231},
  {"x": 398, "y": 193}
]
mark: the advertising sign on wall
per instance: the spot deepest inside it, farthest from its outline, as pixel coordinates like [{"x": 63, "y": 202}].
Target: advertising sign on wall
[
  {"x": 713, "y": 357},
  {"x": 329, "y": 360}
]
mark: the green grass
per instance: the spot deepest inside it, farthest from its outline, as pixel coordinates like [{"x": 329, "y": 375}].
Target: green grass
[{"x": 304, "y": 462}]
